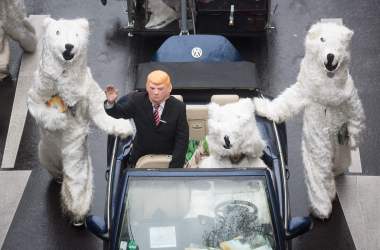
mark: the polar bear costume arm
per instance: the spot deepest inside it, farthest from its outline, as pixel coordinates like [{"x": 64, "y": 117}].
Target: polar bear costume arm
[
  {"x": 356, "y": 119},
  {"x": 17, "y": 26},
  {"x": 286, "y": 105},
  {"x": 38, "y": 95},
  {"x": 122, "y": 127}
]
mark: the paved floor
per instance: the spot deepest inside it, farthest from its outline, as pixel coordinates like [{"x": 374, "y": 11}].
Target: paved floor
[
  {"x": 37, "y": 222},
  {"x": 360, "y": 196}
]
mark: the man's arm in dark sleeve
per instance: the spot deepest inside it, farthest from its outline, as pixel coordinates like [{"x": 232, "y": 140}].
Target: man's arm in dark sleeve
[
  {"x": 181, "y": 140},
  {"x": 123, "y": 108}
]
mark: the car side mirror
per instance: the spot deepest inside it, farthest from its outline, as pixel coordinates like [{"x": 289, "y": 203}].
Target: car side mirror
[
  {"x": 97, "y": 226},
  {"x": 298, "y": 226}
]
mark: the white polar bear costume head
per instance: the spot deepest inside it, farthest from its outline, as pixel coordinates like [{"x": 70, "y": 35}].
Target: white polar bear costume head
[
  {"x": 66, "y": 39},
  {"x": 233, "y": 132},
  {"x": 329, "y": 44},
  {"x": 324, "y": 69},
  {"x": 64, "y": 58}
]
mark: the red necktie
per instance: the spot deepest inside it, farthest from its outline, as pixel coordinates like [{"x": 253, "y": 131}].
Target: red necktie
[{"x": 156, "y": 115}]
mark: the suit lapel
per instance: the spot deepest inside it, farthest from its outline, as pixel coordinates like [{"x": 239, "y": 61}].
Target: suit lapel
[
  {"x": 165, "y": 112},
  {"x": 148, "y": 109}
]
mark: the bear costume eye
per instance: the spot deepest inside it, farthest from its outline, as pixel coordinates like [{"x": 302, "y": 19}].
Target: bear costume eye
[
  {"x": 57, "y": 32},
  {"x": 323, "y": 40}
]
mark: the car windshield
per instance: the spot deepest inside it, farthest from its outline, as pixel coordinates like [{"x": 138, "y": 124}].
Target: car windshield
[{"x": 197, "y": 213}]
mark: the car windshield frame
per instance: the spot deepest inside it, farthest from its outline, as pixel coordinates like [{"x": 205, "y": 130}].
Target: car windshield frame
[{"x": 259, "y": 173}]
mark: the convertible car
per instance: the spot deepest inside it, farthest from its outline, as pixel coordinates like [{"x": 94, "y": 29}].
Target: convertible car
[{"x": 154, "y": 207}]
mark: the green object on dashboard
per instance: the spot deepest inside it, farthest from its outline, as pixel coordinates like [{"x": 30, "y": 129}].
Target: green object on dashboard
[{"x": 132, "y": 245}]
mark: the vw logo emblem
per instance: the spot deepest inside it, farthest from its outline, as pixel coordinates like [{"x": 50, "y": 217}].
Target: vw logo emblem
[{"x": 196, "y": 52}]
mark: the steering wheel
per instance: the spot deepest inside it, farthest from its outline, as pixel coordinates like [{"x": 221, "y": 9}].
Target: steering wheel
[
  {"x": 227, "y": 208},
  {"x": 233, "y": 217}
]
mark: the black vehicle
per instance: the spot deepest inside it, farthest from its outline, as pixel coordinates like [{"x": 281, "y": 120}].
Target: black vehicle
[{"x": 153, "y": 208}]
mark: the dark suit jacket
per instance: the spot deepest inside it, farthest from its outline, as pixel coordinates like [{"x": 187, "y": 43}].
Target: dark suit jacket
[{"x": 171, "y": 136}]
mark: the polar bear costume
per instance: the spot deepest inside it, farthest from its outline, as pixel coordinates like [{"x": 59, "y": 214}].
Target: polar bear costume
[
  {"x": 234, "y": 141},
  {"x": 326, "y": 92},
  {"x": 63, "y": 148},
  {"x": 233, "y": 137},
  {"x": 13, "y": 24}
]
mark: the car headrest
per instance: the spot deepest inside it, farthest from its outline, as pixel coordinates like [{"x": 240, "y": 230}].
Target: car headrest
[
  {"x": 224, "y": 99},
  {"x": 178, "y": 97},
  {"x": 154, "y": 161}
]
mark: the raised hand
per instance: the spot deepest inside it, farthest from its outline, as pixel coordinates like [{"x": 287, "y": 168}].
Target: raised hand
[{"x": 111, "y": 94}]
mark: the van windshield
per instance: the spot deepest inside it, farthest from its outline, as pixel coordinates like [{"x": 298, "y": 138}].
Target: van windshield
[{"x": 197, "y": 213}]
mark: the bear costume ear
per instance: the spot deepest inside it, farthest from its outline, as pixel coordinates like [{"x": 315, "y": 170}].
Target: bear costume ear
[
  {"x": 314, "y": 31},
  {"x": 47, "y": 21},
  {"x": 347, "y": 34},
  {"x": 212, "y": 108},
  {"x": 83, "y": 23},
  {"x": 247, "y": 104}
]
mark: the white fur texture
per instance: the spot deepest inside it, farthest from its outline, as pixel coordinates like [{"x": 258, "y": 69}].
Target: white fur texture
[
  {"x": 63, "y": 148},
  {"x": 13, "y": 24},
  {"x": 4, "y": 53},
  {"x": 237, "y": 122},
  {"x": 329, "y": 100}
]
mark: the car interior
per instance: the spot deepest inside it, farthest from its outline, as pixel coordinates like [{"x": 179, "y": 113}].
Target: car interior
[
  {"x": 197, "y": 116},
  {"x": 197, "y": 213}
]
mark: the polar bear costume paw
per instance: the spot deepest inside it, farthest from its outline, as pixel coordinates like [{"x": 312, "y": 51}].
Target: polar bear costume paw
[
  {"x": 354, "y": 135},
  {"x": 124, "y": 128},
  {"x": 262, "y": 106},
  {"x": 54, "y": 120}
]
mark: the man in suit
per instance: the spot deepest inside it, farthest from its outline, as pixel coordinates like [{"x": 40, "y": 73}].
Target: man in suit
[{"x": 160, "y": 119}]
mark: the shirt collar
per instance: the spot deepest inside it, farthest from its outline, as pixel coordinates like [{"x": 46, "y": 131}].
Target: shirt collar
[{"x": 162, "y": 105}]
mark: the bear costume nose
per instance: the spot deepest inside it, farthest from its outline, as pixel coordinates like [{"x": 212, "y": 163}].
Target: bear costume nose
[
  {"x": 330, "y": 58},
  {"x": 227, "y": 143},
  {"x": 67, "y": 54},
  {"x": 69, "y": 46}
]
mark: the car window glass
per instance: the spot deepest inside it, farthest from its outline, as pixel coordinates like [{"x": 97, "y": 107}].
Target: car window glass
[{"x": 197, "y": 213}]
